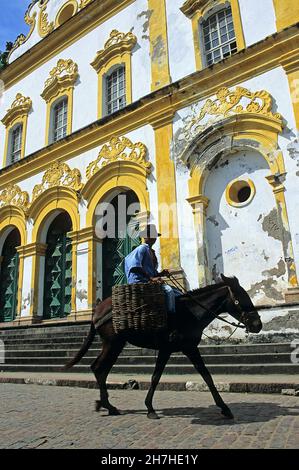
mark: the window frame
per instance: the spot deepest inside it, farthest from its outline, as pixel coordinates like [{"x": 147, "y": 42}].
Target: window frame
[
  {"x": 110, "y": 72},
  {"x": 53, "y": 129}
]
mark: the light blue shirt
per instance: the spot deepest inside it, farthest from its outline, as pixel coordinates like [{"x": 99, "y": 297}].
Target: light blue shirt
[{"x": 139, "y": 258}]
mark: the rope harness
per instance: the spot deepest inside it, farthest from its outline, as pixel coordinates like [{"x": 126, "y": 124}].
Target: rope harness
[{"x": 214, "y": 314}]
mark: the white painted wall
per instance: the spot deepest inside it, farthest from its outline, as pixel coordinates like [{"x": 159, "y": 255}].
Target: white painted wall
[{"x": 258, "y": 20}]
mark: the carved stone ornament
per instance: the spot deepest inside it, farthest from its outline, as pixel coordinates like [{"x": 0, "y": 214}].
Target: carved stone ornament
[
  {"x": 21, "y": 39},
  {"x": 84, "y": 3},
  {"x": 62, "y": 77},
  {"x": 19, "y": 108},
  {"x": 44, "y": 26},
  {"x": 228, "y": 103},
  {"x": 119, "y": 149},
  {"x": 13, "y": 196},
  {"x": 190, "y": 7},
  {"x": 59, "y": 174},
  {"x": 118, "y": 43}
]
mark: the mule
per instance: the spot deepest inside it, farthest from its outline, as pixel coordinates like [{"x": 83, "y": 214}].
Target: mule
[{"x": 195, "y": 311}]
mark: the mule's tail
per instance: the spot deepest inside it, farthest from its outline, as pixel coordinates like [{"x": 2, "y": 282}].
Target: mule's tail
[{"x": 83, "y": 350}]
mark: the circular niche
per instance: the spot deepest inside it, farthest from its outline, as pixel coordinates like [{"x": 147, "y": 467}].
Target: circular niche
[
  {"x": 239, "y": 193},
  {"x": 66, "y": 12}
]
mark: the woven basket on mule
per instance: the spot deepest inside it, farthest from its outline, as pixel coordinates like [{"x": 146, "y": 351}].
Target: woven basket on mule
[{"x": 139, "y": 307}]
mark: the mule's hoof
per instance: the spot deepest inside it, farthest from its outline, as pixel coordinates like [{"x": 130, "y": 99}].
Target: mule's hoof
[
  {"x": 113, "y": 412},
  {"x": 152, "y": 415},
  {"x": 227, "y": 413},
  {"x": 98, "y": 406}
]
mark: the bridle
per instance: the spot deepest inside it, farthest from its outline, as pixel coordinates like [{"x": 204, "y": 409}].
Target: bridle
[{"x": 234, "y": 300}]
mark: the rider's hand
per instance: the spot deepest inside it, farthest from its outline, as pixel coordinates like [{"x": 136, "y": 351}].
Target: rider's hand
[{"x": 165, "y": 273}]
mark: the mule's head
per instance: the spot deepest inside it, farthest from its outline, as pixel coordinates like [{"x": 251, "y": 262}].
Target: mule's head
[{"x": 240, "y": 306}]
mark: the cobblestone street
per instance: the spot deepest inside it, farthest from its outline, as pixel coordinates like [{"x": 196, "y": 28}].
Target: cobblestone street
[{"x": 58, "y": 417}]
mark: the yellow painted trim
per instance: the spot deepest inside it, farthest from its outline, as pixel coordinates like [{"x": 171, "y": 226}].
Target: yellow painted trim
[
  {"x": 69, "y": 94},
  {"x": 198, "y": 11},
  {"x": 39, "y": 250},
  {"x": 287, "y": 13},
  {"x": 57, "y": 198},
  {"x": 20, "y": 282},
  {"x": 167, "y": 198},
  {"x": 116, "y": 175},
  {"x": 159, "y": 44},
  {"x": 62, "y": 8},
  {"x": 293, "y": 79}
]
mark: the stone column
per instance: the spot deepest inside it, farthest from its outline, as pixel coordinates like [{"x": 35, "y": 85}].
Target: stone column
[{"x": 199, "y": 206}]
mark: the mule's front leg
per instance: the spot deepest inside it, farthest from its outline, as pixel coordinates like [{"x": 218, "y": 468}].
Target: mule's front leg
[
  {"x": 196, "y": 359},
  {"x": 161, "y": 362}
]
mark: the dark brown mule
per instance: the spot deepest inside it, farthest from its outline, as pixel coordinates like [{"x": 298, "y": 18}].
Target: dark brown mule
[{"x": 227, "y": 296}]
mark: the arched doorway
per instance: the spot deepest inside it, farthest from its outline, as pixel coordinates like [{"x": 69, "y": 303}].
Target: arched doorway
[
  {"x": 242, "y": 226},
  {"x": 116, "y": 248},
  {"x": 9, "y": 275},
  {"x": 58, "y": 269}
]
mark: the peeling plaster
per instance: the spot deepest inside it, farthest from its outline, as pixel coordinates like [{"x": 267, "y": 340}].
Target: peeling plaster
[
  {"x": 81, "y": 294},
  {"x": 271, "y": 225},
  {"x": 267, "y": 286},
  {"x": 147, "y": 14},
  {"x": 278, "y": 271},
  {"x": 158, "y": 49},
  {"x": 281, "y": 323},
  {"x": 212, "y": 219}
]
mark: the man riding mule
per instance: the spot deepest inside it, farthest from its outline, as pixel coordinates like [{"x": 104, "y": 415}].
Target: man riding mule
[
  {"x": 197, "y": 309},
  {"x": 141, "y": 267}
]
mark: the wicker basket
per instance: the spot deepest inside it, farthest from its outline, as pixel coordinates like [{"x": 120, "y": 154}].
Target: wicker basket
[{"x": 139, "y": 307}]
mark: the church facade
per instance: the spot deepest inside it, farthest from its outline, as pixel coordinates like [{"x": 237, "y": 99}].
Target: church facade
[{"x": 184, "y": 114}]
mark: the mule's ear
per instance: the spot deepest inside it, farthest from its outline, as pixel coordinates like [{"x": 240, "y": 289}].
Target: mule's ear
[{"x": 230, "y": 281}]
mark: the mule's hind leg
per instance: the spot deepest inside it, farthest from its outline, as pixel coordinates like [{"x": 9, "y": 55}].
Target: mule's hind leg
[
  {"x": 196, "y": 359},
  {"x": 161, "y": 362},
  {"x": 101, "y": 368}
]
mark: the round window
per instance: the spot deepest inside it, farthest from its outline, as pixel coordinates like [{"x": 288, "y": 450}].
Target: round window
[
  {"x": 66, "y": 13},
  {"x": 240, "y": 192}
]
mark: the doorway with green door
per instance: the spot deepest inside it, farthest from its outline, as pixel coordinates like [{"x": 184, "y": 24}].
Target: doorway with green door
[
  {"x": 58, "y": 269},
  {"x": 9, "y": 276},
  {"x": 124, "y": 239}
]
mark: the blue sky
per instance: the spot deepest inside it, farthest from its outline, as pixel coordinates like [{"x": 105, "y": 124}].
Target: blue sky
[{"x": 12, "y": 20}]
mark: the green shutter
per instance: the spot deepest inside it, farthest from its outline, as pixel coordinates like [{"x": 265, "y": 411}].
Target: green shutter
[
  {"x": 9, "y": 285},
  {"x": 58, "y": 277}
]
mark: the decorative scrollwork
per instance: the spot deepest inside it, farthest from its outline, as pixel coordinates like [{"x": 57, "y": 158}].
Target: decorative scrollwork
[
  {"x": 63, "y": 76},
  {"x": 44, "y": 26},
  {"x": 119, "y": 149},
  {"x": 59, "y": 174},
  {"x": 227, "y": 103},
  {"x": 21, "y": 39},
  {"x": 118, "y": 43},
  {"x": 20, "y": 107},
  {"x": 12, "y": 195},
  {"x": 84, "y": 3}
]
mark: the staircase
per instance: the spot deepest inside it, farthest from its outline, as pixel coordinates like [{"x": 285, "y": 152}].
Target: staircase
[{"x": 47, "y": 349}]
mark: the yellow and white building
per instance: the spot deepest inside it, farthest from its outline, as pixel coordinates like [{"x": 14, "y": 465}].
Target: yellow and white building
[{"x": 189, "y": 105}]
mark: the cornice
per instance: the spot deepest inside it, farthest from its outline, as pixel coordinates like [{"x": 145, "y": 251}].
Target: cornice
[
  {"x": 94, "y": 13},
  {"x": 253, "y": 61},
  {"x": 20, "y": 107},
  {"x": 117, "y": 44}
]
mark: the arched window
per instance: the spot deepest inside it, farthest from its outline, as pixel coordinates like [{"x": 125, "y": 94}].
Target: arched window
[
  {"x": 219, "y": 36},
  {"x": 58, "y": 269},
  {"x": 16, "y": 135},
  {"x": 9, "y": 277},
  {"x": 116, "y": 90},
  {"x": 59, "y": 119}
]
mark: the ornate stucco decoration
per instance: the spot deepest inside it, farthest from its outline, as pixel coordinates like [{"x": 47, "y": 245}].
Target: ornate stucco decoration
[
  {"x": 19, "y": 108},
  {"x": 59, "y": 174},
  {"x": 190, "y": 7},
  {"x": 21, "y": 39},
  {"x": 62, "y": 77},
  {"x": 44, "y": 26},
  {"x": 84, "y": 3},
  {"x": 119, "y": 149},
  {"x": 12, "y": 195},
  {"x": 228, "y": 103},
  {"x": 117, "y": 44}
]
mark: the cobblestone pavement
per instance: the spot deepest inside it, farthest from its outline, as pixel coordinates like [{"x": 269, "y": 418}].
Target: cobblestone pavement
[{"x": 58, "y": 417}]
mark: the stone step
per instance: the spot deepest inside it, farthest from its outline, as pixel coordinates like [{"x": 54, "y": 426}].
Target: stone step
[
  {"x": 134, "y": 370},
  {"x": 178, "y": 359}
]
